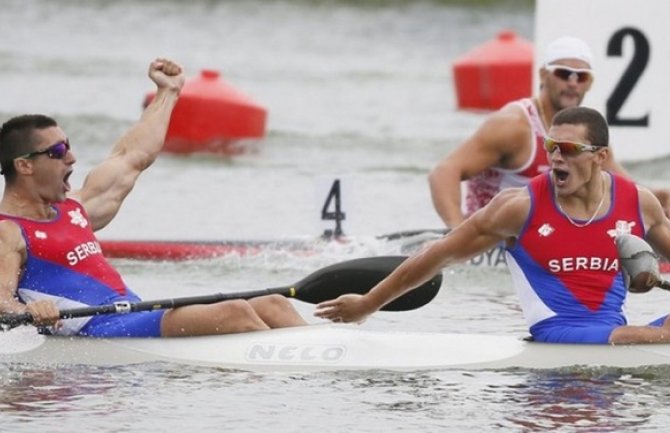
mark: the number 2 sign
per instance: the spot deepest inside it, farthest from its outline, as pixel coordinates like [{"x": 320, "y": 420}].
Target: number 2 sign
[{"x": 630, "y": 41}]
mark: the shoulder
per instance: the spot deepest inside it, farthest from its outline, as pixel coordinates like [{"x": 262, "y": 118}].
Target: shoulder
[
  {"x": 653, "y": 216},
  {"x": 652, "y": 211},
  {"x": 74, "y": 197},
  {"x": 512, "y": 113},
  {"x": 72, "y": 202},
  {"x": 509, "y": 124},
  {"x": 511, "y": 199},
  {"x": 506, "y": 213},
  {"x": 11, "y": 238},
  {"x": 656, "y": 224}
]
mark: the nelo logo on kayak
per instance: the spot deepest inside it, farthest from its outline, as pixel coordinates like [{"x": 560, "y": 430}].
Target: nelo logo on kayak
[{"x": 295, "y": 352}]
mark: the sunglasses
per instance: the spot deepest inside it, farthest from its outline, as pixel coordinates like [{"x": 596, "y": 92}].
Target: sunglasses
[
  {"x": 566, "y": 73},
  {"x": 55, "y": 151},
  {"x": 568, "y": 147}
]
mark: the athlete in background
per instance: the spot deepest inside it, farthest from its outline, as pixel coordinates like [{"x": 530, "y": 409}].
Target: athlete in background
[{"x": 506, "y": 151}]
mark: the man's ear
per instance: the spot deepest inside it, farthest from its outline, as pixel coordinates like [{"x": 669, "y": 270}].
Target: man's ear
[
  {"x": 543, "y": 75},
  {"x": 604, "y": 154},
  {"x": 23, "y": 165},
  {"x": 588, "y": 86}
]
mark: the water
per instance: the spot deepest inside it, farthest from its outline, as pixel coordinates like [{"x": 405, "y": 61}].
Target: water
[{"x": 359, "y": 92}]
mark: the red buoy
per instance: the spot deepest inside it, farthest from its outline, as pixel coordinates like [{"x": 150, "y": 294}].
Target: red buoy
[
  {"x": 211, "y": 116},
  {"x": 494, "y": 73}
]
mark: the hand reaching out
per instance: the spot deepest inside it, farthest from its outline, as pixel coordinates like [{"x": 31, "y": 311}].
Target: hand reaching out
[{"x": 346, "y": 308}]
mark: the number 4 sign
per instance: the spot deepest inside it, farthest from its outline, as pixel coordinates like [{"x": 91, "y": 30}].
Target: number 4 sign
[
  {"x": 332, "y": 210},
  {"x": 629, "y": 41}
]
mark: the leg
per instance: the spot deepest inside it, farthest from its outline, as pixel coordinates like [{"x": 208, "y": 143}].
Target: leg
[
  {"x": 277, "y": 311},
  {"x": 141, "y": 324},
  {"x": 642, "y": 334},
  {"x": 220, "y": 318}
]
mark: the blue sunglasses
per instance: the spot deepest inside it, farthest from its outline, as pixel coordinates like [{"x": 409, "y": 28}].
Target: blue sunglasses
[{"x": 55, "y": 151}]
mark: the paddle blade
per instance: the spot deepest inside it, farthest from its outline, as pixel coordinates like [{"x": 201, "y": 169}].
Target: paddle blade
[{"x": 359, "y": 276}]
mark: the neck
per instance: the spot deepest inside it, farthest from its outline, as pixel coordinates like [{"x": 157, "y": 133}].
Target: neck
[
  {"x": 15, "y": 205},
  {"x": 546, "y": 112},
  {"x": 585, "y": 207}
]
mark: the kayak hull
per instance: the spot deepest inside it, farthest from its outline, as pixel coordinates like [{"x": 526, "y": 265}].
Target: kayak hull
[{"x": 327, "y": 348}]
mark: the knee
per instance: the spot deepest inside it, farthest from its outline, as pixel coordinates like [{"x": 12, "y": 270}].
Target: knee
[
  {"x": 271, "y": 303},
  {"x": 235, "y": 309},
  {"x": 237, "y": 316},
  {"x": 276, "y": 300},
  {"x": 220, "y": 318}
]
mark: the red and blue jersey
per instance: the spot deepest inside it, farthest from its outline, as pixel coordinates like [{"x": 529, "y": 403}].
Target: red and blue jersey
[
  {"x": 65, "y": 263},
  {"x": 568, "y": 275}
]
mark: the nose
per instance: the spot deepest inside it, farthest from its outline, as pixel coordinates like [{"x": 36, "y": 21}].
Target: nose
[
  {"x": 556, "y": 154},
  {"x": 573, "y": 79},
  {"x": 70, "y": 158}
]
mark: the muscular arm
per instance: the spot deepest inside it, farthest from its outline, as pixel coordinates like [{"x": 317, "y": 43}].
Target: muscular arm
[
  {"x": 501, "y": 219},
  {"x": 656, "y": 222},
  {"x": 108, "y": 184},
  {"x": 501, "y": 141},
  {"x": 12, "y": 256}
]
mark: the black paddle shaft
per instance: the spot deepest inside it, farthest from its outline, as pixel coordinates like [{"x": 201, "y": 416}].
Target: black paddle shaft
[{"x": 352, "y": 276}]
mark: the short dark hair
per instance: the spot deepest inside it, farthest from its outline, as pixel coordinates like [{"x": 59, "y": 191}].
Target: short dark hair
[
  {"x": 17, "y": 137},
  {"x": 597, "y": 131}
]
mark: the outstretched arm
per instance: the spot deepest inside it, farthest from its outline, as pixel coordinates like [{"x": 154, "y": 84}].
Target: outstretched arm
[
  {"x": 108, "y": 184},
  {"x": 501, "y": 219}
]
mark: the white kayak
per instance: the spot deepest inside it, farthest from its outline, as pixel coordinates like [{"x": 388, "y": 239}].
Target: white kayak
[{"x": 327, "y": 348}]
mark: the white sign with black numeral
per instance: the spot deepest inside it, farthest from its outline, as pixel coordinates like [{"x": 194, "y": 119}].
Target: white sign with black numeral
[
  {"x": 630, "y": 40},
  {"x": 330, "y": 195}
]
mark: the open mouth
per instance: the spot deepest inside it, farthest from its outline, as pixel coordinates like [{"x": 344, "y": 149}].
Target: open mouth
[
  {"x": 66, "y": 181},
  {"x": 561, "y": 176}
]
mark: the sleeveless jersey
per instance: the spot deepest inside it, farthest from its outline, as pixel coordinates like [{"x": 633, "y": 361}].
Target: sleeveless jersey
[
  {"x": 568, "y": 275},
  {"x": 480, "y": 189},
  {"x": 65, "y": 264}
]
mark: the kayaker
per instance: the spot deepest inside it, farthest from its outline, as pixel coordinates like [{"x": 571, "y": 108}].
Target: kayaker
[
  {"x": 506, "y": 150},
  {"x": 559, "y": 234},
  {"x": 49, "y": 255}
]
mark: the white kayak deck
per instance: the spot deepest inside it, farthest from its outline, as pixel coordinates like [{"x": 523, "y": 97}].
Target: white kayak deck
[{"x": 327, "y": 348}]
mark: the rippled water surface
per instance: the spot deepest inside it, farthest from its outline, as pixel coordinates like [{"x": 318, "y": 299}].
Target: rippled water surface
[{"x": 361, "y": 92}]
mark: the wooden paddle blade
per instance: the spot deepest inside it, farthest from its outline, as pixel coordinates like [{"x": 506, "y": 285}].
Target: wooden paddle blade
[{"x": 359, "y": 276}]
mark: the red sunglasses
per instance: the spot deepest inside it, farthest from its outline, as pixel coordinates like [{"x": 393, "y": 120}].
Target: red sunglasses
[
  {"x": 55, "y": 151},
  {"x": 566, "y": 73},
  {"x": 569, "y": 148}
]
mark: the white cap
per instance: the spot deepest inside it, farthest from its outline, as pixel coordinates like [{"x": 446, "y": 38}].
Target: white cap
[{"x": 568, "y": 47}]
